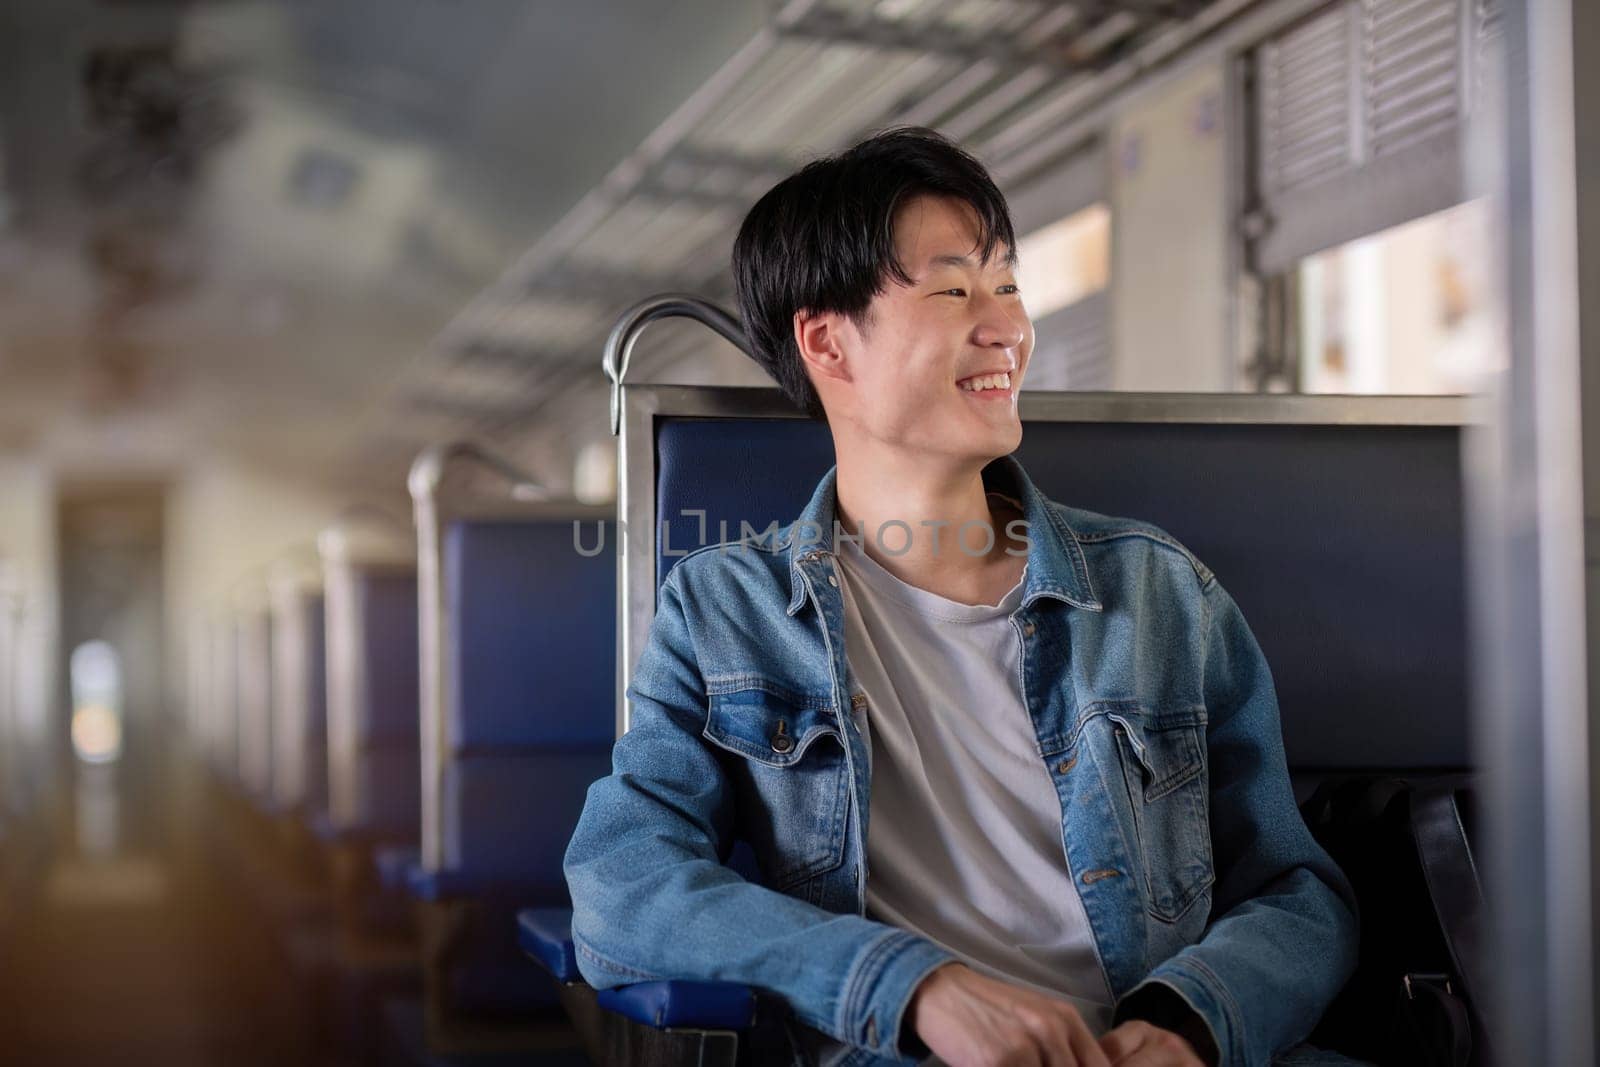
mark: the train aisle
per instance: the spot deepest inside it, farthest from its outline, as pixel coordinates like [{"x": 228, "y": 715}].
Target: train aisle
[{"x": 136, "y": 948}]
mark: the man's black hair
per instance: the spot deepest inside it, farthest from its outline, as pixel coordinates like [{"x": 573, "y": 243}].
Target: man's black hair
[{"x": 823, "y": 240}]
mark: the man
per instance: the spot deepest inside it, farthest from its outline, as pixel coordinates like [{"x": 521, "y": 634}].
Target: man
[{"x": 1082, "y": 845}]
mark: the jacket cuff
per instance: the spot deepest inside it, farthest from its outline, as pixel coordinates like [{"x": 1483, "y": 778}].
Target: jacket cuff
[
  {"x": 1205, "y": 996},
  {"x": 879, "y": 987}
]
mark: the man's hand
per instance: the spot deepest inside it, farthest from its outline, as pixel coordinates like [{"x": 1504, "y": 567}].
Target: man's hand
[
  {"x": 1137, "y": 1043},
  {"x": 969, "y": 1020}
]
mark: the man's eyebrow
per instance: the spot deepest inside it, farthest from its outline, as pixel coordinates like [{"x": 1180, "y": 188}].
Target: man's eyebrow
[{"x": 953, "y": 260}]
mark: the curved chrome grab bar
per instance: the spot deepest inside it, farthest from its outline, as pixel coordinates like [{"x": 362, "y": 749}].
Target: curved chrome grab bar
[
  {"x": 428, "y": 470},
  {"x": 619, "y": 346}
]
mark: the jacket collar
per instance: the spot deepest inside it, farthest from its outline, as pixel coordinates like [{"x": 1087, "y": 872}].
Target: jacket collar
[{"x": 1056, "y": 567}]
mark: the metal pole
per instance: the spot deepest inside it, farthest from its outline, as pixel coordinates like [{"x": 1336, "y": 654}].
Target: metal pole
[{"x": 1536, "y": 488}]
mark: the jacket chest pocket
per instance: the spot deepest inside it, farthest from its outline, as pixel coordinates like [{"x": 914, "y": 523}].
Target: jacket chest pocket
[
  {"x": 1163, "y": 761},
  {"x": 786, "y": 761}
]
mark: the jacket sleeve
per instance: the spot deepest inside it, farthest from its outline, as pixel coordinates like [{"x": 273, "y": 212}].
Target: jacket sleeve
[
  {"x": 1282, "y": 938},
  {"x": 652, "y": 900}
]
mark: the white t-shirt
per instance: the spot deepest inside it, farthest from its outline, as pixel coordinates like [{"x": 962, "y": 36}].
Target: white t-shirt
[{"x": 964, "y": 843}]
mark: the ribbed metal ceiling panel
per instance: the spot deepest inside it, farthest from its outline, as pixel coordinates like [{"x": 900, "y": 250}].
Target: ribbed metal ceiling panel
[{"x": 1001, "y": 75}]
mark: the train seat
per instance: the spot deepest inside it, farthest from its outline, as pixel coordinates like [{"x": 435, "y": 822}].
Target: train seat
[
  {"x": 300, "y": 695},
  {"x": 254, "y": 679},
  {"x": 1335, "y": 522},
  {"x": 519, "y": 657},
  {"x": 374, "y": 790}
]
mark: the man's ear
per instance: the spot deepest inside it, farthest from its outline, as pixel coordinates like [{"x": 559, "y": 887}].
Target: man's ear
[{"x": 818, "y": 336}]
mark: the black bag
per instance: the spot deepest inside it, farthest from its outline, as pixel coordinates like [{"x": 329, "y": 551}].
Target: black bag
[{"x": 1404, "y": 845}]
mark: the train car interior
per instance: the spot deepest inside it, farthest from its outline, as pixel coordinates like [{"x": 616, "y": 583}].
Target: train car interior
[{"x": 431, "y": 628}]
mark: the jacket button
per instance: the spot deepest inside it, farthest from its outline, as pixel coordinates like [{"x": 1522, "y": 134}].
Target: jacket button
[
  {"x": 1027, "y": 629},
  {"x": 833, "y": 581},
  {"x": 1066, "y": 765},
  {"x": 781, "y": 741}
]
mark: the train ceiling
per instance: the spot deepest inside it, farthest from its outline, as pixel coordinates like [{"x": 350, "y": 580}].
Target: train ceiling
[{"x": 320, "y": 233}]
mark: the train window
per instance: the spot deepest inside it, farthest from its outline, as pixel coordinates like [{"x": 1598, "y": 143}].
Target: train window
[
  {"x": 1063, "y": 270},
  {"x": 1371, "y": 267},
  {"x": 1403, "y": 311},
  {"x": 96, "y": 702},
  {"x": 1062, "y": 215},
  {"x": 1066, "y": 261}
]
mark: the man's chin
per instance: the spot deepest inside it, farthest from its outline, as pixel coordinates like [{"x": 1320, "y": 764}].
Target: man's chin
[{"x": 1008, "y": 442}]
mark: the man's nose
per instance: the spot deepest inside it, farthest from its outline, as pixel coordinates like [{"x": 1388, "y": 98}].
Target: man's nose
[{"x": 999, "y": 326}]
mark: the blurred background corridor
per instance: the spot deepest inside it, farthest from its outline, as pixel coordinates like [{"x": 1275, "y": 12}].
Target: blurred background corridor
[{"x": 258, "y": 257}]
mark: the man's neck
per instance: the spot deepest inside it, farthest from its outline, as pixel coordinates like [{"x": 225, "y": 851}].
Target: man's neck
[{"x": 933, "y": 528}]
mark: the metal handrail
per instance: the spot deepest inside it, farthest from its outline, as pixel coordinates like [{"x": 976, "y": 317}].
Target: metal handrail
[
  {"x": 619, "y": 345},
  {"x": 428, "y": 470}
]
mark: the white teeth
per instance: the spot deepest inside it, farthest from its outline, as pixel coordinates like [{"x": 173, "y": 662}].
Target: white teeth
[{"x": 987, "y": 381}]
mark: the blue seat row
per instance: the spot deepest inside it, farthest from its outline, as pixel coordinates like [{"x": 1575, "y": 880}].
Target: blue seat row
[{"x": 518, "y": 634}]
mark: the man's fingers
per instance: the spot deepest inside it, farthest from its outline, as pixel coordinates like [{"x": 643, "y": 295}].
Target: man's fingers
[
  {"x": 1154, "y": 1056},
  {"x": 1138, "y": 1044},
  {"x": 1028, "y": 1056},
  {"x": 1126, "y": 1039},
  {"x": 1051, "y": 1033},
  {"x": 1085, "y": 1048}
]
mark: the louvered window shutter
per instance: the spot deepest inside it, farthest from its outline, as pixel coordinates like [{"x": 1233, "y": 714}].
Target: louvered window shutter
[{"x": 1358, "y": 118}]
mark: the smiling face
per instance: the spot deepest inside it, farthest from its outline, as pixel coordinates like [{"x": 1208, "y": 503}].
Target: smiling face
[{"x": 934, "y": 368}]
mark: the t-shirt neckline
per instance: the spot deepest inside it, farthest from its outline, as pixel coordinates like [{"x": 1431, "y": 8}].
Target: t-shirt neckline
[{"x": 921, "y": 601}]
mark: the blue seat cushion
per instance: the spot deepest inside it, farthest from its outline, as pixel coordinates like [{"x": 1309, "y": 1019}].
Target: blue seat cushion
[
  {"x": 684, "y": 1005},
  {"x": 452, "y": 883},
  {"x": 546, "y": 935},
  {"x": 532, "y": 624}
]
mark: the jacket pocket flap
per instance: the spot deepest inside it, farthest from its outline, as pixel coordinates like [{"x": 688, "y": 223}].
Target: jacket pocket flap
[
  {"x": 766, "y": 727},
  {"x": 1168, "y": 748}
]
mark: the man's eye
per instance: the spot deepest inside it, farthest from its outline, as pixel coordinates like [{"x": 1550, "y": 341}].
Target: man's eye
[
  {"x": 1008, "y": 290},
  {"x": 951, "y": 292}
]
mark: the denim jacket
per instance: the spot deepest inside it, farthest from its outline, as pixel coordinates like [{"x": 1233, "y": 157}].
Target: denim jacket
[{"x": 1155, "y": 715}]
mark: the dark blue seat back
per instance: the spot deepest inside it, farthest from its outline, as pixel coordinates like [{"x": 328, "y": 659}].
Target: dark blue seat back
[
  {"x": 1343, "y": 546},
  {"x": 314, "y": 782},
  {"x": 530, "y": 627},
  {"x": 387, "y": 778}
]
